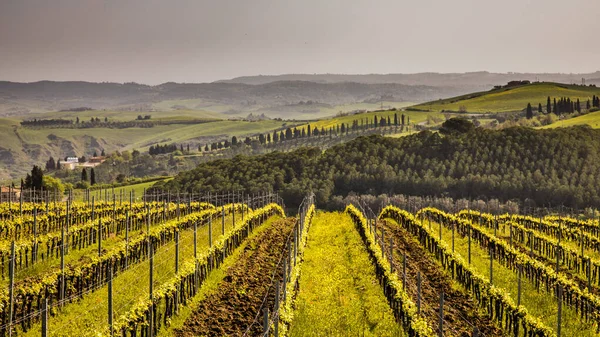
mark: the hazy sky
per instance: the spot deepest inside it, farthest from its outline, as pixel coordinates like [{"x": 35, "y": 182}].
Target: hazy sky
[{"x": 155, "y": 41}]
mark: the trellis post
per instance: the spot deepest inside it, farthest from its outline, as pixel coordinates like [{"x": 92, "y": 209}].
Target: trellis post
[
  {"x": 11, "y": 271},
  {"x": 110, "y": 300},
  {"x": 44, "y": 314},
  {"x": 419, "y": 292}
]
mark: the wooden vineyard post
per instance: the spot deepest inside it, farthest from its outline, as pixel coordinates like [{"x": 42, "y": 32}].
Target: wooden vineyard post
[
  {"x": 99, "y": 237},
  {"x": 560, "y": 292},
  {"x": 491, "y": 265},
  {"x": 242, "y": 200},
  {"x": 110, "y": 301},
  {"x": 233, "y": 215},
  {"x": 178, "y": 207},
  {"x": 589, "y": 273},
  {"x": 441, "y": 313},
  {"x": 265, "y": 321},
  {"x": 510, "y": 241},
  {"x": 44, "y": 314},
  {"x": 453, "y": 237},
  {"x": 519, "y": 285},
  {"x": 223, "y": 219},
  {"x": 581, "y": 239},
  {"x": 558, "y": 251},
  {"x": 126, "y": 237},
  {"x": 35, "y": 241},
  {"x": 62, "y": 266},
  {"x": 11, "y": 300},
  {"x": 177, "y": 252},
  {"x": 196, "y": 240},
  {"x": 65, "y": 243},
  {"x": 151, "y": 282},
  {"x": 419, "y": 292},
  {"x": 469, "y": 244},
  {"x": 440, "y": 230},
  {"x": 209, "y": 231}
]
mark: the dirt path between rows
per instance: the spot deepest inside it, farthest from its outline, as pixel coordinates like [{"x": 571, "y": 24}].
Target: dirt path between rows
[
  {"x": 232, "y": 308},
  {"x": 461, "y": 312}
]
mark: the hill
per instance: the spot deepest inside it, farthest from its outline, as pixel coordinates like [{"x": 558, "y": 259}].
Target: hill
[
  {"x": 285, "y": 99},
  {"x": 472, "y": 80},
  {"x": 510, "y": 99},
  {"x": 21, "y": 147},
  {"x": 592, "y": 119},
  {"x": 556, "y": 166}
]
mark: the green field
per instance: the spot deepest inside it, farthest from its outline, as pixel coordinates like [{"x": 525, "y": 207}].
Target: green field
[
  {"x": 511, "y": 99},
  {"x": 339, "y": 294},
  {"x": 115, "y": 115},
  {"x": 592, "y": 119}
]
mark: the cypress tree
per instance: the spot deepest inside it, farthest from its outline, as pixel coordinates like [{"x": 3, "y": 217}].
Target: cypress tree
[
  {"x": 540, "y": 108},
  {"x": 92, "y": 177},
  {"x": 84, "y": 176},
  {"x": 403, "y": 119},
  {"x": 548, "y": 106},
  {"x": 396, "y": 119},
  {"x": 529, "y": 111}
]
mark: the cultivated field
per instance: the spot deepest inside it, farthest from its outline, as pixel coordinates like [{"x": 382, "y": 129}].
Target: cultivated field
[{"x": 206, "y": 267}]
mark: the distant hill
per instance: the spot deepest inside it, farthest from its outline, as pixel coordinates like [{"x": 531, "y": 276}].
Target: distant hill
[
  {"x": 481, "y": 79},
  {"x": 18, "y": 99},
  {"x": 510, "y": 99}
]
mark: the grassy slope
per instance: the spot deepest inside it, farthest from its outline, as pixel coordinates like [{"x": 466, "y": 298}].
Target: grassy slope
[
  {"x": 138, "y": 191},
  {"x": 515, "y": 99},
  {"x": 37, "y": 145},
  {"x": 591, "y": 119},
  {"x": 339, "y": 294},
  {"x": 126, "y": 115}
]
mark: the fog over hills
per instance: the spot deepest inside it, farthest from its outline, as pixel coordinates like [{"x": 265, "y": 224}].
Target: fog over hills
[{"x": 271, "y": 93}]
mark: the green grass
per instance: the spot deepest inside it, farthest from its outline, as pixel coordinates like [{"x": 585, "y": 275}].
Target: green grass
[
  {"x": 115, "y": 115},
  {"x": 592, "y": 119},
  {"x": 339, "y": 293},
  {"x": 90, "y": 313},
  {"x": 138, "y": 191},
  {"x": 539, "y": 304},
  {"x": 514, "y": 99}
]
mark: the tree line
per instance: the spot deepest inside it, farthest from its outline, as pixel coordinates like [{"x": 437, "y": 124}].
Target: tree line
[
  {"x": 563, "y": 105},
  {"x": 308, "y": 131},
  {"x": 546, "y": 167}
]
